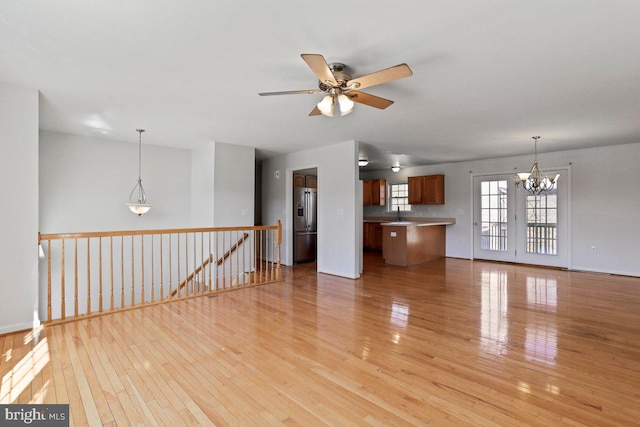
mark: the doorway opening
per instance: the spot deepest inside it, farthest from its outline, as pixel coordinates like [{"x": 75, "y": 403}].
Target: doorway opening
[{"x": 305, "y": 215}]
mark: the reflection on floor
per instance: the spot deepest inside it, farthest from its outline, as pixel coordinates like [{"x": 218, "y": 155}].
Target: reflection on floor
[{"x": 452, "y": 342}]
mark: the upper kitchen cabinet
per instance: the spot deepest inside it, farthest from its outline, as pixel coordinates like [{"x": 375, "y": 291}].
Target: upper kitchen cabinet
[
  {"x": 311, "y": 181},
  {"x": 308, "y": 181},
  {"x": 426, "y": 190},
  {"x": 374, "y": 192},
  {"x": 415, "y": 190},
  {"x": 299, "y": 180}
]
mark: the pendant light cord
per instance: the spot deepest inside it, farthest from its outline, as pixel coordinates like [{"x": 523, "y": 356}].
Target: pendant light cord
[{"x": 140, "y": 153}]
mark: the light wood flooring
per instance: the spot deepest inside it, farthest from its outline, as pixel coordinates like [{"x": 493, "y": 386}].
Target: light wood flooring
[{"x": 450, "y": 342}]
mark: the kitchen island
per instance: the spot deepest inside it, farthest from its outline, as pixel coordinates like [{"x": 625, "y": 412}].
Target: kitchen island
[{"x": 408, "y": 243}]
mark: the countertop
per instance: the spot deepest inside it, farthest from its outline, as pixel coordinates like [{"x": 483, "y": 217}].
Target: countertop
[
  {"x": 409, "y": 222},
  {"x": 415, "y": 223}
]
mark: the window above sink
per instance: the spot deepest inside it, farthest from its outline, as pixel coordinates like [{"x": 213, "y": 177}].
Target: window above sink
[{"x": 399, "y": 197}]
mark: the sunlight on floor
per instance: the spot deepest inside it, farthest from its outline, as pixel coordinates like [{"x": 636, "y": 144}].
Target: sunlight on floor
[{"x": 23, "y": 373}]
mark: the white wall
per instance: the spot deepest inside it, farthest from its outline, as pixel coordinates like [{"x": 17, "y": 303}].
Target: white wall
[
  {"x": 338, "y": 205},
  {"x": 18, "y": 207},
  {"x": 605, "y": 203},
  {"x": 202, "y": 177},
  {"x": 234, "y": 183},
  {"x": 85, "y": 183},
  {"x": 222, "y": 185}
]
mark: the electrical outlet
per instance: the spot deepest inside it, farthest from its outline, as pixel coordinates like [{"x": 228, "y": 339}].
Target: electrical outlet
[{"x": 594, "y": 250}]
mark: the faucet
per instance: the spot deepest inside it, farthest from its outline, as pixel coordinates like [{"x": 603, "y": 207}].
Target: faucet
[{"x": 399, "y": 217}]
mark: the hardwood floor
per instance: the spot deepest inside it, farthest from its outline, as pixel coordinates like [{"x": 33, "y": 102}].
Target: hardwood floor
[{"x": 450, "y": 342}]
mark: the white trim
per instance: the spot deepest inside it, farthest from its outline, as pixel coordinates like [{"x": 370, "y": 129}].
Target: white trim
[
  {"x": 340, "y": 274},
  {"x": 570, "y": 225},
  {"x": 472, "y": 235},
  {"x": 580, "y": 269},
  {"x": 16, "y": 327}
]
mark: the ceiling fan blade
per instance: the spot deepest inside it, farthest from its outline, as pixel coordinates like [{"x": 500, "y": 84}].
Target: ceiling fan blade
[
  {"x": 370, "y": 100},
  {"x": 388, "y": 74},
  {"x": 292, "y": 92},
  {"x": 315, "y": 112},
  {"x": 320, "y": 67}
]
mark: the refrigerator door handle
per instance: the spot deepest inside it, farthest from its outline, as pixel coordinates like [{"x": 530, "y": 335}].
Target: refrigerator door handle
[{"x": 306, "y": 210}]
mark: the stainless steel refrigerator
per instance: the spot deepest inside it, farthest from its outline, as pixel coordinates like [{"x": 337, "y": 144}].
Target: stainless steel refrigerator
[{"x": 305, "y": 208}]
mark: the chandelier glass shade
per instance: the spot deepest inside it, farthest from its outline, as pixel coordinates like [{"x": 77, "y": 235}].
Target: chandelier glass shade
[
  {"x": 333, "y": 98},
  {"x": 138, "y": 198},
  {"x": 535, "y": 181}
]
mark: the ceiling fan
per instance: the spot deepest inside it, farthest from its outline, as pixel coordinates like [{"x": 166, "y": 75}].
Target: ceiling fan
[{"x": 341, "y": 89}]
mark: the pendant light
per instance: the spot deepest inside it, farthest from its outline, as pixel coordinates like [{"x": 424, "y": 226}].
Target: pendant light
[
  {"x": 535, "y": 181},
  {"x": 138, "y": 198}
]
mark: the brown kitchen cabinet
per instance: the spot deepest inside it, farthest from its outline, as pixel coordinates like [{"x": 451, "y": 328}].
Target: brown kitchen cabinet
[
  {"x": 366, "y": 193},
  {"x": 374, "y": 192},
  {"x": 311, "y": 181},
  {"x": 308, "y": 181},
  {"x": 413, "y": 244},
  {"x": 426, "y": 190},
  {"x": 372, "y": 236},
  {"x": 415, "y": 190},
  {"x": 299, "y": 180}
]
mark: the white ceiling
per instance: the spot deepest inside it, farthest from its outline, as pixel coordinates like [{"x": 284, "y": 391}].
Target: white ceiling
[{"x": 488, "y": 74}]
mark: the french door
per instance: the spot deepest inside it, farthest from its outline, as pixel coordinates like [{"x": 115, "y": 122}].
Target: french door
[{"x": 512, "y": 225}]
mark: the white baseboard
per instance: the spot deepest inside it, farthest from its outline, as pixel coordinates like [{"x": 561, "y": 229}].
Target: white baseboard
[
  {"x": 595, "y": 270},
  {"x": 7, "y": 329},
  {"x": 340, "y": 274}
]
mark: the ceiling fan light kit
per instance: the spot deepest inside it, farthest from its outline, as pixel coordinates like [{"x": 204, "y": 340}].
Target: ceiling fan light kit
[
  {"x": 333, "y": 99},
  {"x": 340, "y": 88}
]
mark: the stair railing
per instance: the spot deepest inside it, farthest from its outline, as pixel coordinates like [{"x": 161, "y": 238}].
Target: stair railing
[
  {"x": 86, "y": 274},
  {"x": 209, "y": 259}
]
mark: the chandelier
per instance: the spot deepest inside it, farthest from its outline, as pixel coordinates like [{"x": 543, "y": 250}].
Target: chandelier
[
  {"x": 535, "y": 181},
  {"x": 138, "y": 198}
]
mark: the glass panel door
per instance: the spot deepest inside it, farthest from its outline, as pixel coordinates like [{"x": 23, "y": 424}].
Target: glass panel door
[
  {"x": 494, "y": 232},
  {"x": 542, "y": 224},
  {"x": 515, "y": 226}
]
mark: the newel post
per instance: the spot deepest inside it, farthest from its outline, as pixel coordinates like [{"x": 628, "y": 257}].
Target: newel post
[{"x": 278, "y": 243}]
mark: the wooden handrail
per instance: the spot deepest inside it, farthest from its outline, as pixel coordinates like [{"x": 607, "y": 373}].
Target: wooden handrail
[
  {"x": 206, "y": 262},
  {"x": 91, "y": 234}
]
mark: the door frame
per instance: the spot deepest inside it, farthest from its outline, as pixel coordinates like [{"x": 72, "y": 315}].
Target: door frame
[{"x": 472, "y": 195}]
